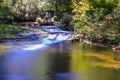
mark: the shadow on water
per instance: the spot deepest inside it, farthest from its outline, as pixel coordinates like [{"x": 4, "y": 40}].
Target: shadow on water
[{"x": 2, "y": 71}]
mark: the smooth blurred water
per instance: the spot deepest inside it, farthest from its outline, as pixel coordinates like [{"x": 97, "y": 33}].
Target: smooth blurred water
[
  {"x": 72, "y": 62},
  {"x": 32, "y": 60},
  {"x": 93, "y": 63}
]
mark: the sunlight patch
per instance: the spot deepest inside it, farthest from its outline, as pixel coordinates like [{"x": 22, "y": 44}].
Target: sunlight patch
[{"x": 34, "y": 47}]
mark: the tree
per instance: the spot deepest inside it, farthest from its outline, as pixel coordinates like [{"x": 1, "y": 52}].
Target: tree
[
  {"x": 6, "y": 15},
  {"x": 28, "y": 9},
  {"x": 80, "y": 7},
  {"x": 59, "y": 5},
  {"x": 98, "y": 20},
  {"x": 25, "y": 9}
]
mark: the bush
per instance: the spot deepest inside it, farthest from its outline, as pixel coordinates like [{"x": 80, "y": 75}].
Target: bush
[
  {"x": 66, "y": 21},
  {"x": 8, "y": 31},
  {"x": 6, "y": 15},
  {"x": 100, "y": 23}
]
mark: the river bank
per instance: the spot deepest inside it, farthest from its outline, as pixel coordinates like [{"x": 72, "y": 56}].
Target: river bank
[
  {"x": 87, "y": 42},
  {"x": 7, "y": 32}
]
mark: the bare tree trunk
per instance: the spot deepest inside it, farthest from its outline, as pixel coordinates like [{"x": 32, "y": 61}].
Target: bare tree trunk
[{"x": 56, "y": 9}]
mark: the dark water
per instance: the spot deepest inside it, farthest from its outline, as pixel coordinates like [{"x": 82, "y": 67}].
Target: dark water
[{"x": 58, "y": 62}]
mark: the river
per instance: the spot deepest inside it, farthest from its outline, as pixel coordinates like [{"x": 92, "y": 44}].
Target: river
[
  {"x": 55, "y": 58},
  {"x": 71, "y": 62}
]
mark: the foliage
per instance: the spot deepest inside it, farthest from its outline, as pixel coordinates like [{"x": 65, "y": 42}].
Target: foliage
[
  {"x": 109, "y": 26},
  {"x": 28, "y": 10},
  {"x": 66, "y": 21},
  {"x": 25, "y": 10},
  {"x": 11, "y": 29},
  {"x": 80, "y": 6},
  {"x": 6, "y": 15},
  {"x": 105, "y": 26},
  {"x": 99, "y": 22},
  {"x": 58, "y": 6},
  {"x": 104, "y": 3},
  {"x": 62, "y": 5},
  {"x": 7, "y": 31}
]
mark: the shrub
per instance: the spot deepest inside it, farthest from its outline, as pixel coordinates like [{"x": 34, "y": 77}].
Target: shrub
[
  {"x": 66, "y": 21},
  {"x": 8, "y": 31}
]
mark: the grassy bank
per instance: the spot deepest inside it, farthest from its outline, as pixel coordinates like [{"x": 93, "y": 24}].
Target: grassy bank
[{"x": 9, "y": 31}]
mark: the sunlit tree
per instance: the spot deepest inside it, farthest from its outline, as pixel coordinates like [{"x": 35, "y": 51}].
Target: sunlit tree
[
  {"x": 97, "y": 20},
  {"x": 80, "y": 7}
]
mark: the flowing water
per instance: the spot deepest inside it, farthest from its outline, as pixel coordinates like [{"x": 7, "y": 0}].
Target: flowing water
[
  {"x": 58, "y": 62},
  {"x": 54, "y": 58}
]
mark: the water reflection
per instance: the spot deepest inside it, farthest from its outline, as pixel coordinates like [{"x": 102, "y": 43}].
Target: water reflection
[
  {"x": 2, "y": 49},
  {"x": 109, "y": 62},
  {"x": 90, "y": 63},
  {"x": 116, "y": 73},
  {"x": 58, "y": 62}
]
